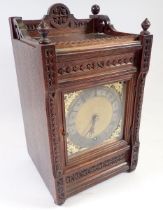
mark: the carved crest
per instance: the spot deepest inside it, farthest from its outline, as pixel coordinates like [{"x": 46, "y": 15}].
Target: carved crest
[{"x": 59, "y": 15}]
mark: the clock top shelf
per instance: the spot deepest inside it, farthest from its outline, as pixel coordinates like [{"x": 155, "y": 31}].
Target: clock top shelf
[{"x": 60, "y": 28}]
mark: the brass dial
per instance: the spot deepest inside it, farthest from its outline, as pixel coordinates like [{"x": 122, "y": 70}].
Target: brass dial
[{"x": 93, "y": 115}]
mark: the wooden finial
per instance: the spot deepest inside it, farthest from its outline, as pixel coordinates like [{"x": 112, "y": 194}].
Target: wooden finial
[
  {"x": 43, "y": 30},
  {"x": 95, "y": 9},
  {"x": 145, "y": 26}
]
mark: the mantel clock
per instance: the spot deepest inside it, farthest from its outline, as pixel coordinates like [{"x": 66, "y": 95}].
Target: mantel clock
[{"x": 81, "y": 86}]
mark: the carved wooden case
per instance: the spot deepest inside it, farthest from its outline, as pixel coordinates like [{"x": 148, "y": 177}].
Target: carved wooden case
[{"x": 61, "y": 54}]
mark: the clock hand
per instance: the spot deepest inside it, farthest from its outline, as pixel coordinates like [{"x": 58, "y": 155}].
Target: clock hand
[{"x": 93, "y": 122}]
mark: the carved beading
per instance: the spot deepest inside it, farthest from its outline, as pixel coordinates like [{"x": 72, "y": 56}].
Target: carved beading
[
  {"x": 94, "y": 168},
  {"x": 49, "y": 54},
  {"x": 146, "y": 52},
  {"x": 60, "y": 188},
  {"x": 137, "y": 115},
  {"x": 90, "y": 41},
  {"x": 100, "y": 64},
  {"x": 53, "y": 131},
  {"x": 31, "y": 26},
  {"x": 50, "y": 67},
  {"x": 134, "y": 156},
  {"x": 54, "y": 138}
]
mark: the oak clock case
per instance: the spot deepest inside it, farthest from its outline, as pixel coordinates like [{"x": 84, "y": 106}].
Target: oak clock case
[{"x": 81, "y": 85}]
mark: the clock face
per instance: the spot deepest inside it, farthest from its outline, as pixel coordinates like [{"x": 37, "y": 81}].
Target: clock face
[{"x": 93, "y": 115}]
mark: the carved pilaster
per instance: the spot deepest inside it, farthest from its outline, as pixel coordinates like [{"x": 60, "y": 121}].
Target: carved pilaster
[
  {"x": 136, "y": 120},
  {"x": 146, "y": 40},
  {"x": 52, "y": 117},
  {"x": 50, "y": 67}
]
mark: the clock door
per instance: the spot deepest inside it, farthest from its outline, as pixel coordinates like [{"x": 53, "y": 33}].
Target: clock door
[{"x": 94, "y": 117}]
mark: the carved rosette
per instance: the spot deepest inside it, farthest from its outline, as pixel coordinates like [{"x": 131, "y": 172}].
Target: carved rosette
[
  {"x": 144, "y": 67},
  {"x": 51, "y": 99},
  {"x": 59, "y": 16}
]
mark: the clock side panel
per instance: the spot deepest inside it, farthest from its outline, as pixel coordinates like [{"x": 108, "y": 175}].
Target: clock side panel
[{"x": 32, "y": 97}]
